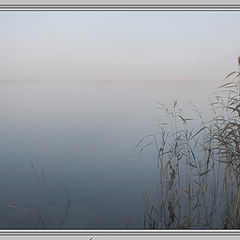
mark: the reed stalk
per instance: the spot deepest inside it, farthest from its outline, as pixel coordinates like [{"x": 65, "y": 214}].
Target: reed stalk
[{"x": 199, "y": 170}]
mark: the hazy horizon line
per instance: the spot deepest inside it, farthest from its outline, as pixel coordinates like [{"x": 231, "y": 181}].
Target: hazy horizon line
[{"x": 75, "y": 81}]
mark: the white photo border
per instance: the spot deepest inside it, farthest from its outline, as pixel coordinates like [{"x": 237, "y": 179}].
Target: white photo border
[{"x": 119, "y": 7}]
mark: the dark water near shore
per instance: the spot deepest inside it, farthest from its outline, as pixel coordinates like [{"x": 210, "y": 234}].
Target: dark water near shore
[{"x": 85, "y": 136}]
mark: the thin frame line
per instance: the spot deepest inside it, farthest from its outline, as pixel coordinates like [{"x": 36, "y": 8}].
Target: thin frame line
[
  {"x": 121, "y": 232},
  {"x": 119, "y": 7}
]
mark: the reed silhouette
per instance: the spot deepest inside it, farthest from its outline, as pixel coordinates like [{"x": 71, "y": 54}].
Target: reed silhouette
[{"x": 199, "y": 169}]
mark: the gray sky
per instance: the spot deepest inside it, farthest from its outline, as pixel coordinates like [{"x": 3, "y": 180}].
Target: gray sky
[{"x": 118, "y": 46}]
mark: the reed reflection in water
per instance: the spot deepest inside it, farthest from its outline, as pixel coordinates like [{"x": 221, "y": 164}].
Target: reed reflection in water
[{"x": 86, "y": 133}]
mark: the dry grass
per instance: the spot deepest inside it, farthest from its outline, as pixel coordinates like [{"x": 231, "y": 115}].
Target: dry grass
[{"x": 199, "y": 170}]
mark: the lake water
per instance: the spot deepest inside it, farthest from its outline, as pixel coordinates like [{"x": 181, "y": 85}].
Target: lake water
[{"x": 81, "y": 138}]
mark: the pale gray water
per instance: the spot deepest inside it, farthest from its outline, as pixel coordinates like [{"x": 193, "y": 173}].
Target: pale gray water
[{"x": 84, "y": 133}]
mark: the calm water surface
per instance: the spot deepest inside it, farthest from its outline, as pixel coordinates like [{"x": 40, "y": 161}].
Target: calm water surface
[{"x": 82, "y": 138}]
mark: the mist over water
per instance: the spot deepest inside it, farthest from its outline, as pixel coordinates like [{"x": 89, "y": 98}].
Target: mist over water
[
  {"x": 78, "y": 90},
  {"x": 86, "y": 134}
]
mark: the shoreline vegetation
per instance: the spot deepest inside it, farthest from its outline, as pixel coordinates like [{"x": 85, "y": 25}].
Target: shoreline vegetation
[{"x": 199, "y": 168}]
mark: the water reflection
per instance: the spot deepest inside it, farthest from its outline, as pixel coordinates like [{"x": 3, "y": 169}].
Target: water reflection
[{"x": 86, "y": 133}]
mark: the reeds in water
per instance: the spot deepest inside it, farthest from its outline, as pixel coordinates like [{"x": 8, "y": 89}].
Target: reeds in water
[
  {"x": 199, "y": 170},
  {"x": 49, "y": 215}
]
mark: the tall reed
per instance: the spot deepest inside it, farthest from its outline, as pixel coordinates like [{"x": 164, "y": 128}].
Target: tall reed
[{"x": 199, "y": 174}]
